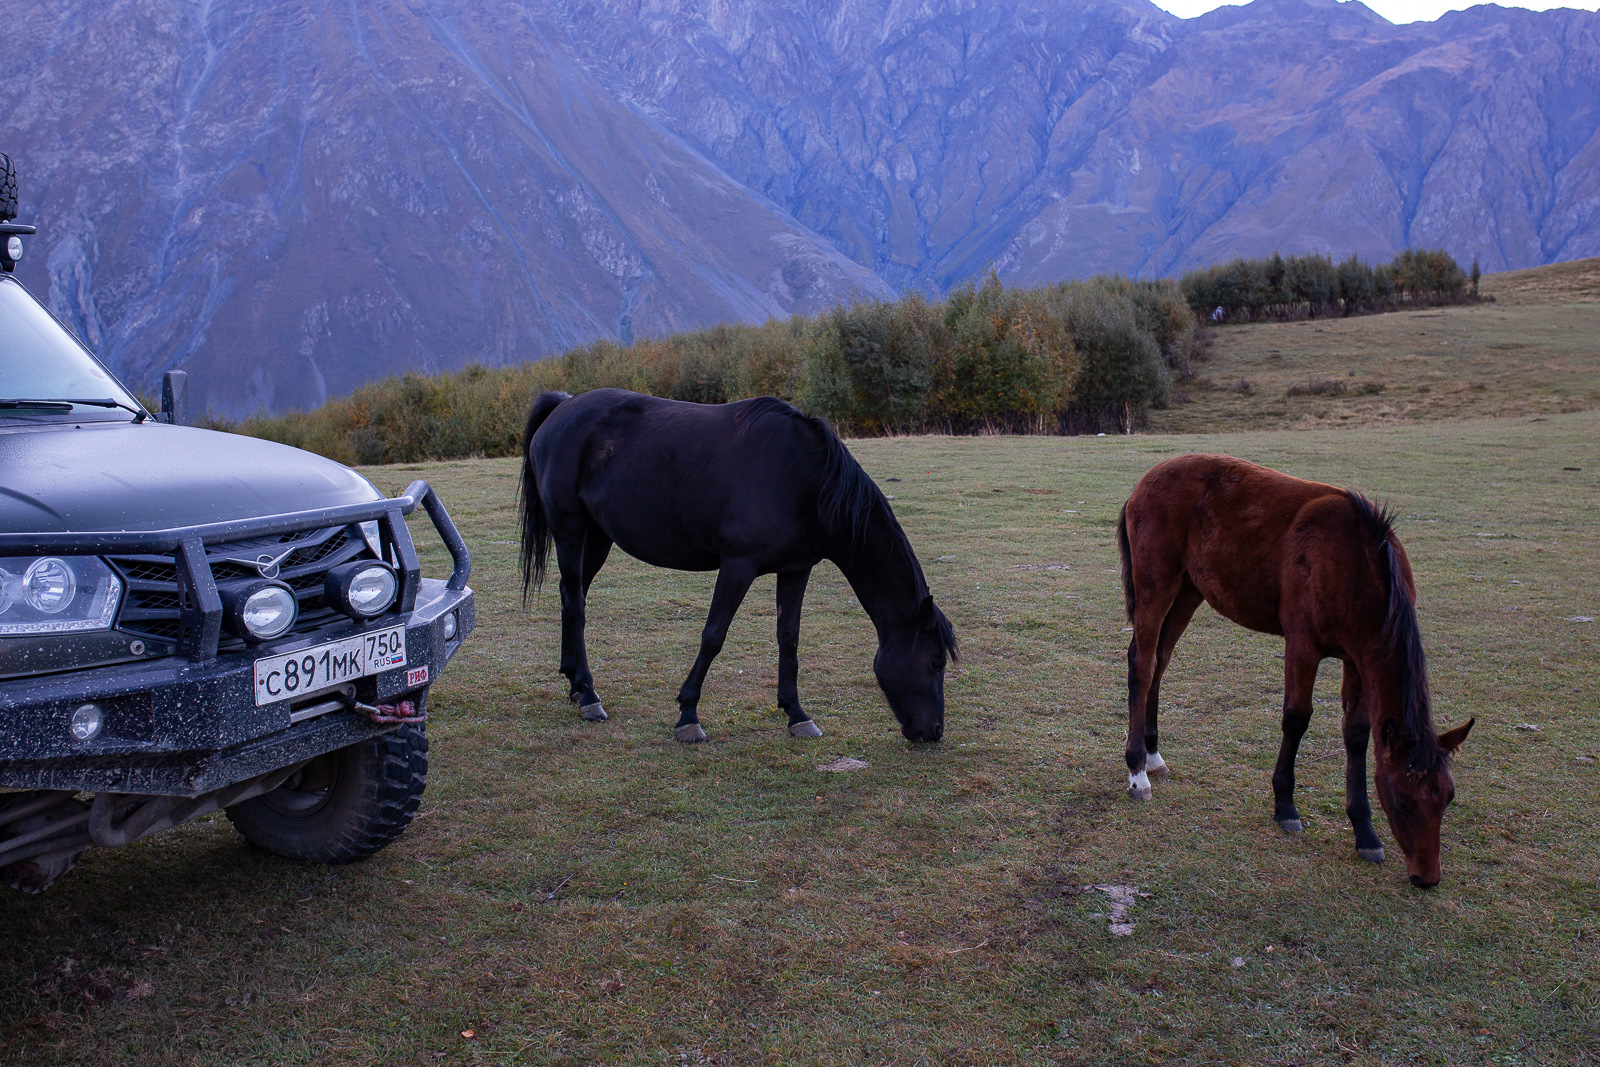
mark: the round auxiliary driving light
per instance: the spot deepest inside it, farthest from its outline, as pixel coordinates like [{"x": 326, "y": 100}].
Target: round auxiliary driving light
[
  {"x": 259, "y": 611},
  {"x": 362, "y": 588},
  {"x": 86, "y": 722},
  {"x": 448, "y": 628},
  {"x": 13, "y": 248},
  {"x": 49, "y": 585}
]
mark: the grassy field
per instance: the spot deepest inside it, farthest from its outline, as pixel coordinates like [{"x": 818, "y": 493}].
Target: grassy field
[{"x": 580, "y": 893}]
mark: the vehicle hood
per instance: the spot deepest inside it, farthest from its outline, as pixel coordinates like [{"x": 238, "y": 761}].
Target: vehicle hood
[{"x": 150, "y": 476}]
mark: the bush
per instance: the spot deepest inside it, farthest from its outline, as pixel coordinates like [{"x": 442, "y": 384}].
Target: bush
[
  {"x": 1121, "y": 371},
  {"x": 1064, "y": 358},
  {"x": 1010, "y": 362},
  {"x": 1308, "y": 286}
]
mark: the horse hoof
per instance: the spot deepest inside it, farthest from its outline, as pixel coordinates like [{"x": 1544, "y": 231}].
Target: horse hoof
[
  {"x": 1155, "y": 766},
  {"x": 805, "y": 729},
  {"x": 593, "y": 712},
  {"x": 1291, "y": 826},
  {"x": 690, "y": 733},
  {"x": 1139, "y": 792},
  {"x": 1371, "y": 855}
]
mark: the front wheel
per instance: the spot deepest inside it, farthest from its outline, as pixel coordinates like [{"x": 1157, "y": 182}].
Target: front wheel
[{"x": 344, "y": 805}]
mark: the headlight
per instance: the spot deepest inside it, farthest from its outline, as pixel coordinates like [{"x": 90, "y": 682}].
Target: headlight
[
  {"x": 259, "y": 611},
  {"x": 49, "y": 585},
  {"x": 361, "y": 588},
  {"x": 56, "y": 594}
]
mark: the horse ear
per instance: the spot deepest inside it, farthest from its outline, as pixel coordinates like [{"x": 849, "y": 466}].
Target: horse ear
[
  {"x": 926, "y": 611},
  {"x": 1451, "y": 740}
]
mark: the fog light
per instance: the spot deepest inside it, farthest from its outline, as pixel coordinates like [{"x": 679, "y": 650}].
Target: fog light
[
  {"x": 268, "y": 612},
  {"x": 259, "y": 611},
  {"x": 449, "y": 626},
  {"x": 86, "y": 722},
  {"x": 361, "y": 588},
  {"x": 13, "y": 248}
]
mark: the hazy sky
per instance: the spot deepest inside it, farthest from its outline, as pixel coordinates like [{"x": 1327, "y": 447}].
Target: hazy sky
[{"x": 1393, "y": 10}]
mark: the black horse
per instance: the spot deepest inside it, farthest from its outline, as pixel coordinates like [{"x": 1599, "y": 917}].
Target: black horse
[{"x": 744, "y": 489}]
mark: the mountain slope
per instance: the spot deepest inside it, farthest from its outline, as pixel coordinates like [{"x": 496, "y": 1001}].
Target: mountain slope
[
  {"x": 1061, "y": 139},
  {"x": 289, "y": 197},
  {"x": 310, "y": 195}
]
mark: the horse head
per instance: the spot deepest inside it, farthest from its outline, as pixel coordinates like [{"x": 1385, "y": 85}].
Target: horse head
[
  {"x": 910, "y": 668},
  {"x": 1414, "y": 798}
]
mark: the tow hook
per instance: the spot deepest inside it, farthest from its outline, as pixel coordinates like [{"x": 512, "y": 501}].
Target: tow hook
[{"x": 400, "y": 711}]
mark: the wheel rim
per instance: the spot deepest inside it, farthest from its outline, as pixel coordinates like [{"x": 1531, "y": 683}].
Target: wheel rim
[{"x": 306, "y": 791}]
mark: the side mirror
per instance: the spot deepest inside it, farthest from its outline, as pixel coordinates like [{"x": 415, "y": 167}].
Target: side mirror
[{"x": 175, "y": 397}]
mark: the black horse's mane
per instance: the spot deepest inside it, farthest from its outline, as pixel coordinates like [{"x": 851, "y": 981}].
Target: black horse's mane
[
  {"x": 1404, "y": 638},
  {"x": 849, "y": 496}
]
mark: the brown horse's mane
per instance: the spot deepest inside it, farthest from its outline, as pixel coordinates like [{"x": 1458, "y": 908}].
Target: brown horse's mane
[{"x": 1403, "y": 638}]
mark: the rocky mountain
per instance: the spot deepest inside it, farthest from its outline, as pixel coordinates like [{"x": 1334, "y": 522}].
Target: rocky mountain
[{"x": 289, "y": 197}]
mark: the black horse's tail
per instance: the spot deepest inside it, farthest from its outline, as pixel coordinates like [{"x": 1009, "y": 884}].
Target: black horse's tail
[
  {"x": 535, "y": 528},
  {"x": 1126, "y": 551}
]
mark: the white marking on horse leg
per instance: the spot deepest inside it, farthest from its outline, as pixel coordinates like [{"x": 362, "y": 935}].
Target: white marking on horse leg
[
  {"x": 1154, "y": 764},
  {"x": 1139, "y": 786}
]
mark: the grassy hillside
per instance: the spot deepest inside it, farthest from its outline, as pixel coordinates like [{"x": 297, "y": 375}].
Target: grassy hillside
[
  {"x": 1575, "y": 282},
  {"x": 1534, "y": 350},
  {"x": 596, "y": 893}
]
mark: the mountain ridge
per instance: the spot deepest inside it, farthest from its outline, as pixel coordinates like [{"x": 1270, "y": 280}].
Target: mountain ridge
[{"x": 291, "y": 197}]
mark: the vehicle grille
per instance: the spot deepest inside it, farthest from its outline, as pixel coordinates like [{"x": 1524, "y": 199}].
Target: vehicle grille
[{"x": 152, "y": 607}]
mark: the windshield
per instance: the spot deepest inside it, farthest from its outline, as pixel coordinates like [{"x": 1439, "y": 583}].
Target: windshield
[{"x": 39, "y": 360}]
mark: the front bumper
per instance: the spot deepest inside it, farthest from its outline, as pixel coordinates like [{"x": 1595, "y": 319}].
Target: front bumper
[{"x": 186, "y": 724}]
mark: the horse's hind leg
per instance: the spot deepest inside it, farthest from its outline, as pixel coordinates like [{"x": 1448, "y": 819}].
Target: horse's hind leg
[
  {"x": 596, "y": 547},
  {"x": 1300, "y": 661},
  {"x": 1178, "y": 616},
  {"x": 1356, "y": 732},
  {"x": 791, "y": 592},
  {"x": 1153, "y": 600},
  {"x": 571, "y": 556},
  {"x": 733, "y": 581}
]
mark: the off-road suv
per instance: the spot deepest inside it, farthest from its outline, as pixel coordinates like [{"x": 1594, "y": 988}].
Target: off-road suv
[{"x": 193, "y": 620}]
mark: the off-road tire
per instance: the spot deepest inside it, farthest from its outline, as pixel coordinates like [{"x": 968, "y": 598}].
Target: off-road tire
[{"x": 344, "y": 805}]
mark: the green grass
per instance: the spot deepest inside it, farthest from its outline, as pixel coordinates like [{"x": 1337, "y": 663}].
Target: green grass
[{"x": 582, "y": 893}]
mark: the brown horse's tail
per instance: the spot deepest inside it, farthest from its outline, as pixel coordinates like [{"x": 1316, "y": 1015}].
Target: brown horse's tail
[
  {"x": 535, "y": 527},
  {"x": 1126, "y": 550}
]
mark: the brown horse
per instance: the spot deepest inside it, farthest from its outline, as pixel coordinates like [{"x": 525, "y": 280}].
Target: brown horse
[{"x": 1320, "y": 567}]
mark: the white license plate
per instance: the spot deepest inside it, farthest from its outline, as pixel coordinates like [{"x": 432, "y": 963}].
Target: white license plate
[{"x": 295, "y": 673}]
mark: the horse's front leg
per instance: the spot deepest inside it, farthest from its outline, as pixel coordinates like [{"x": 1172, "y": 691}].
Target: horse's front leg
[
  {"x": 1356, "y": 732},
  {"x": 574, "y": 654},
  {"x": 791, "y": 592},
  {"x": 733, "y": 581},
  {"x": 1300, "y": 662}
]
